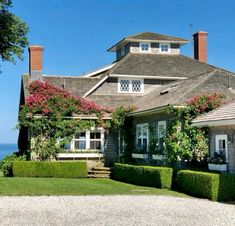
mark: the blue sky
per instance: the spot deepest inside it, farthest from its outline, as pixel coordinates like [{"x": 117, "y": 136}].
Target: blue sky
[{"x": 76, "y": 34}]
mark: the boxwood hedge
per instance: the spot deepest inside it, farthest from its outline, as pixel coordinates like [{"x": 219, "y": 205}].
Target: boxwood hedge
[
  {"x": 216, "y": 187},
  {"x": 49, "y": 169},
  {"x": 160, "y": 177}
]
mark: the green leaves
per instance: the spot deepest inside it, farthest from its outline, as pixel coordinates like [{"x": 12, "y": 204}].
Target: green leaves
[{"x": 13, "y": 32}]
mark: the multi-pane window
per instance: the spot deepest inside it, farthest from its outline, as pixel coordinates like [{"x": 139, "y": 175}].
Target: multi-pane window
[
  {"x": 136, "y": 85},
  {"x": 95, "y": 140},
  {"x": 80, "y": 141},
  {"x": 87, "y": 140},
  {"x": 164, "y": 48},
  {"x": 144, "y": 47},
  {"x": 130, "y": 85},
  {"x": 142, "y": 136},
  {"x": 221, "y": 145},
  {"x": 124, "y": 85}
]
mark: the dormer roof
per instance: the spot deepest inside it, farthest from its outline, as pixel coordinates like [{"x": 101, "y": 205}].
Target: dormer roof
[{"x": 147, "y": 37}]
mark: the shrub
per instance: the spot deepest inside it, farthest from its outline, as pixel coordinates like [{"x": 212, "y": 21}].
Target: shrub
[
  {"x": 216, "y": 187},
  {"x": 6, "y": 163},
  {"x": 160, "y": 177},
  {"x": 49, "y": 169}
]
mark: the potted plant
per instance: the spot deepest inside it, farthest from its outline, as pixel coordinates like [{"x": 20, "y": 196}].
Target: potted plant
[{"x": 217, "y": 162}]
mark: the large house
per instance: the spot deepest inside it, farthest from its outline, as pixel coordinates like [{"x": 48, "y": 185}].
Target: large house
[{"x": 148, "y": 72}]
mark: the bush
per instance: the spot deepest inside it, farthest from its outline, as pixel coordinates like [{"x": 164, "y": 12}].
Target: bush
[
  {"x": 6, "y": 163},
  {"x": 160, "y": 177},
  {"x": 49, "y": 169},
  {"x": 216, "y": 187}
]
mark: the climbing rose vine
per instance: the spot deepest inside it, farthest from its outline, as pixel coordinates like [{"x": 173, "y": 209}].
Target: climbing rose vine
[
  {"x": 184, "y": 142},
  {"x": 48, "y": 114}
]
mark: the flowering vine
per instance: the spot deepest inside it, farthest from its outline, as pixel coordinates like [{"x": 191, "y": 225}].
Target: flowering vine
[
  {"x": 48, "y": 114},
  {"x": 184, "y": 142}
]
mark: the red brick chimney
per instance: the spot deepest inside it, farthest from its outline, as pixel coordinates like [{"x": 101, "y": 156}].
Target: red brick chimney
[
  {"x": 200, "y": 46},
  {"x": 35, "y": 62}
]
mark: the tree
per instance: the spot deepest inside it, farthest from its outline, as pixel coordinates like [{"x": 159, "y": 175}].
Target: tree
[{"x": 13, "y": 32}]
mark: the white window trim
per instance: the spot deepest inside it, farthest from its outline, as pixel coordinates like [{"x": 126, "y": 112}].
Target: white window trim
[
  {"x": 130, "y": 85},
  {"x": 222, "y": 137},
  {"x": 87, "y": 139},
  {"x": 142, "y": 125},
  {"x": 161, "y": 123},
  {"x": 149, "y": 47},
  {"x": 160, "y": 47}
]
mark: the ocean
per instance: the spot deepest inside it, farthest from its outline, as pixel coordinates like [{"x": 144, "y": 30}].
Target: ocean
[{"x": 7, "y": 149}]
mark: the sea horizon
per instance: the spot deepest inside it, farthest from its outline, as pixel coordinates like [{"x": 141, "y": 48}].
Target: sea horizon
[{"x": 7, "y": 149}]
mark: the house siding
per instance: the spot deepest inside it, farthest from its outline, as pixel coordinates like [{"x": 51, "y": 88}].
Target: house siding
[
  {"x": 111, "y": 147},
  {"x": 152, "y": 121},
  {"x": 230, "y": 132},
  {"x": 134, "y": 48},
  {"x": 110, "y": 87}
]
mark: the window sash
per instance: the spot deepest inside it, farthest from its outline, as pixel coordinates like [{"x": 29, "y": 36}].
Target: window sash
[
  {"x": 93, "y": 139},
  {"x": 142, "y": 136},
  {"x": 126, "y": 85}
]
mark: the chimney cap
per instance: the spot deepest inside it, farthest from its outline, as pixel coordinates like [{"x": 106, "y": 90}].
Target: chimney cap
[
  {"x": 200, "y": 33},
  {"x": 36, "y": 47}
]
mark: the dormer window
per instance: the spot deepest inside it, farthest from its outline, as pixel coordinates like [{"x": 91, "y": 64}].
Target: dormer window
[
  {"x": 126, "y": 85},
  {"x": 144, "y": 47},
  {"x": 122, "y": 51},
  {"x": 164, "y": 48}
]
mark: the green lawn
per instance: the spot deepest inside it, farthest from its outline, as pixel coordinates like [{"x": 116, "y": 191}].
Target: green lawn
[{"x": 84, "y": 186}]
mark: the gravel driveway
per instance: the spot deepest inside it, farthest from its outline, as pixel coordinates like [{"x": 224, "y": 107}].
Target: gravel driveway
[{"x": 113, "y": 210}]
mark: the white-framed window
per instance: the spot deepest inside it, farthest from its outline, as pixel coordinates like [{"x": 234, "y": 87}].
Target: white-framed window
[
  {"x": 221, "y": 145},
  {"x": 87, "y": 140},
  {"x": 145, "y": 47},
  {"x": 161, "y": 129},
  {"x": 164, "y": 48},
  {"x": 142, "y": 136},
  {"x": 127, "y": 85}
]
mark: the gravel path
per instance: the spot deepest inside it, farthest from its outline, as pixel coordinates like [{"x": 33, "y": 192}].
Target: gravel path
[{"x": 113, "y": 210}]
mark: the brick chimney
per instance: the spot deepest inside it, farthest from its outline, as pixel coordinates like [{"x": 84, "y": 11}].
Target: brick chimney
[
  {"x": 35, "y": 62},
  {"x": 200, "y": 46}
]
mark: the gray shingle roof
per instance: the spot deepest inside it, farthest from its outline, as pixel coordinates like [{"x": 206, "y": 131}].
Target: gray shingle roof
[
  {"x": 155, "y": 37},
  {"x": 177, "y": 93},
  {"x": 147, "y": 36},
  {"x": 76, "y": 85},
  {"x": 225, "y": 112},
  {"x": 159, "y": 65}
]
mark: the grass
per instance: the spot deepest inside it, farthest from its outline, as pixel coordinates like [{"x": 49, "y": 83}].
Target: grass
[{"x": 82, "y": 186}]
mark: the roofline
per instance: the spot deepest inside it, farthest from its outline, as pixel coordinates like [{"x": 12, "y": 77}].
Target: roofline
[
  {"x": 154, "y": 110},
  {"x": 77, "y": 117},
  {"x": 113, "y": 48},
  {"x": 146, "y": 76},
  {"x": 221, "y": 122},
  {"x": 95, "y": 86},
  {"x": 99, "y": 70}
]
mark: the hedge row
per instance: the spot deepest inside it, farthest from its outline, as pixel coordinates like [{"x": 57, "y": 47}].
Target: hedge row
[
  {"x": 49, "y": 169},
  {"x": 160, "y": 177},
  {"x": 216, "y": 187}
]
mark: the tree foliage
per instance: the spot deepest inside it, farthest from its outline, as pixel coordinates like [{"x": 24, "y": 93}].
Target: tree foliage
[{"x": 12, "y": 33}]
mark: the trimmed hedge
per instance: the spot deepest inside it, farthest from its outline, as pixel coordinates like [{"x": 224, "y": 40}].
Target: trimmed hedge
[
  {"x": 160, "y": 177},
  {"x": 49, "y": 169},
  {"x": 216, "y": 187}
]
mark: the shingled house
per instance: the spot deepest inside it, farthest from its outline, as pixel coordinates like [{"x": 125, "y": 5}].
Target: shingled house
[{"x": 148, "y": 72}]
